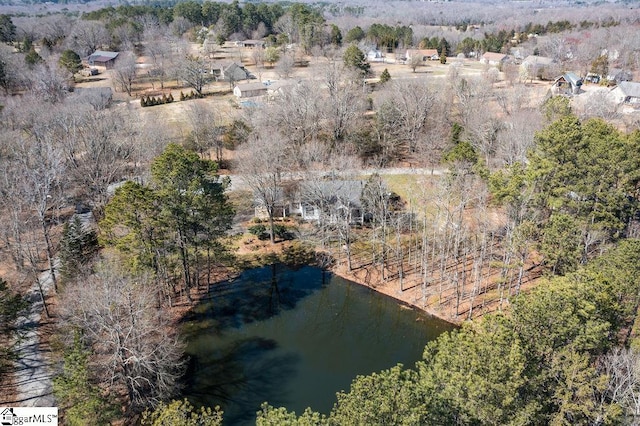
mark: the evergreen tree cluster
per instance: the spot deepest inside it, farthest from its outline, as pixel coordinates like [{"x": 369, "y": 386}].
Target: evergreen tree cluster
[
  {"x": 190, "y": 95},
  {"x": 152, "y": 100},
  {"x": 173, "y": 224}
]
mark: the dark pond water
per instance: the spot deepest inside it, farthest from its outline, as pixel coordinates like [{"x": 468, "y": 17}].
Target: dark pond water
[{"x": 294, "y": 339}]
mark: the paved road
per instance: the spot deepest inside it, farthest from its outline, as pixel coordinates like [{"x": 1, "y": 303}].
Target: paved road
[
  {"x": 33, "y": 373},
  {"x": 238, "y": 183},
  {"x": 34, "y": 370}
]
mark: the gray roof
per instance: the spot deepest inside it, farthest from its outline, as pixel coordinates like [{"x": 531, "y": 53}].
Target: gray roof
[
  {"x": 223, "y": 65},
  {"x": 345, "y": 191},
  {"x": 573, "y": 79},
  {"x": 630, "y": 88},
  {"x": 251, "y": 86},
  {"x": 102, "y": 56}
]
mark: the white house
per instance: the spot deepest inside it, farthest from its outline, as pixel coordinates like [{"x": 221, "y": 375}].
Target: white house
[
  {"x": 250, "y": 90},
  {"x": 319, "y": 201}
]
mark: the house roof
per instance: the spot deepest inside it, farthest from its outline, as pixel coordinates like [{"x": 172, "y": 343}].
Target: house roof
[
  {"x": 278, "y": 84},
  {"x": 615, "y": 73},
  {"x": 497, "y": 57},
  {"x": 573, "y": 78},
  {"x": 348, "y": 191},
  {"x": 249, "y": 87},
  {"x": 102, "y": 56},
  {"x": 630, "y": 88},
  {"x": 538, "y": 60},
  {"x": 224, "y": 65},
  {"x": 421, "y": 52}
]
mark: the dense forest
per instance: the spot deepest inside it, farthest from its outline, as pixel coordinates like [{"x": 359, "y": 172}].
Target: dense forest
[{"x": 133, "y": 190}]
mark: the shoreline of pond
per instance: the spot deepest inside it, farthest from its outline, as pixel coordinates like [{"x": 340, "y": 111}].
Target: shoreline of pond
[{"x": 387, "y": 288}]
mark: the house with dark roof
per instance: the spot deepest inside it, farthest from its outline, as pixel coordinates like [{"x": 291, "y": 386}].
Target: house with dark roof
[
  {"x": 331, "y": 200},
  {"x": 319, "y": 201},
  {"x": 229, "y": 71},
  {"x": 568, "y": 83},
  {"x": 618, "y": 75},
  {"x": 102, "y": 58},
  {"x": 627, "y": 92}
]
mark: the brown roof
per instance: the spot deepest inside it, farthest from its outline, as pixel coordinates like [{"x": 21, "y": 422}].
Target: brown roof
[
  {"x": 421, "y": 52},
  {"x": 495, "y": 57}
]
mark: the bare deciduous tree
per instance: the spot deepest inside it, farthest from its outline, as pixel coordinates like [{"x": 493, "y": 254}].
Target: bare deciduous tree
[
  {"x": 88, "y": 36},
  {"x": 346, "y": 101},
  {"x": 119, "y": 316},
  {"x": 43, "y": 180},
  {"x": 192, "y": 72},
  {"x": 98, "y": 148},
  {"x": 206, "y": 128},
  {"x": 262, "y": 164},
  {"x": 622, "y": 367},
  {"x": 124, "y": 71},
  {"x": 50, "y": 83},
  {"x": 285, "y": 65}
]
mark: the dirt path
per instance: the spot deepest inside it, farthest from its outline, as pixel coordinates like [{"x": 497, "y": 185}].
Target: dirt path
[{"x": 33, "y": 373}]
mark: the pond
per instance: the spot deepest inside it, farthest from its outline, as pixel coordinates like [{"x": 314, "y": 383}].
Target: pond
[{"x": 294, "y": 338}]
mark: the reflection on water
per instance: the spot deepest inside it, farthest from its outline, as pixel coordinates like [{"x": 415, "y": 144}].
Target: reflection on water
[{"x": 294, "y": 339}]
